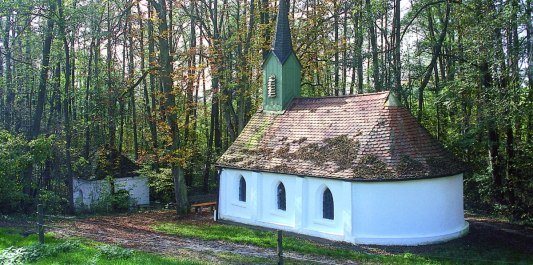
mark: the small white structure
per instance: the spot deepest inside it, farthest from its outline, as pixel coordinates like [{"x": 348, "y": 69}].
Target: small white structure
[
  {"x": 137, "y": 187},
  {"x": 356, "y": 168},
  {"x": 87, "y": 193}
]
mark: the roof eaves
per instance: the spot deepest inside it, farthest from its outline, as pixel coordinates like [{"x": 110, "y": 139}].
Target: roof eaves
[{"x": 402, "y": 178}]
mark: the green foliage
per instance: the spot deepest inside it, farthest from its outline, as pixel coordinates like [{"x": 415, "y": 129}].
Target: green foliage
[
  {"x": 114, "y": 252},
  {"x": 83, "y": 168},
  {"x": 117, "y": 202},
  {"x": 41, "y": 149},
  {"x": 13, "y": 159},
  {"x": 478, "y": 192},
  {"x": 520, "y": 186},
  {"x": 161, "y": 183},
  {"x": 16, "y": 155},
  {"x": 32, "y": 253},
  {"x": 53, "y": 202},
  {"x": 121, "y": 201},
  {"x": 16, "y": 249}
]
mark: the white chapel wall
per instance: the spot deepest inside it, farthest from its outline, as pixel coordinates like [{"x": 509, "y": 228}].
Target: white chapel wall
[
  {"x": 313, "y": 218},
  {"x": 388, "y": 213},
  {"x": 301, "y": 216},
  {"x": 269, "y": 212},
  {"x": 408, "y": 212},
  {"x": 229, "y": 195}
]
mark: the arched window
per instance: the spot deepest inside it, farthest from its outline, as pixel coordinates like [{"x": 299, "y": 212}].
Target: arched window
[
  {"x": 242, "y": 189},
  {"x": 282, "y": 201},
  {"x": 327, "y": 205}
]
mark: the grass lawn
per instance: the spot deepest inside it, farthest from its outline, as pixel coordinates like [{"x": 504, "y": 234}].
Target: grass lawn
[
  {"x": 16, "y": 249},
  {"x": 455, "y": 252}
]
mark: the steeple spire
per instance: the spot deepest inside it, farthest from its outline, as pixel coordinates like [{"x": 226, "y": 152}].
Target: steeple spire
[
  {"x": 282, "y": 45},
  {"x": 281, "y": 69}
]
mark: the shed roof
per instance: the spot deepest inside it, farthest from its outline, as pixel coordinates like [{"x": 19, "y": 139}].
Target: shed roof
[{"x": 357, "y": 137}]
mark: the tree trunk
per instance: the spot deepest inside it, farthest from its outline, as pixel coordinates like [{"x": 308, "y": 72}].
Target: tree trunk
[
  {"x": 87, "y": 104},
  {"x": 529, "y": 44},
  {"x": 10, "y": 94},
  {"x": 110, "y": 90},
  {"x": 191, "y": 73},
  {"x": 66, "y": 102},
  {"x": 436, "y": 52},
  {"x": 180, "y": 189},
  {"x": 358, "y": 27},
  {"x": 397, "y": 49},
  {"x": 265, "y": 20},
  {"x": 43, "y": 76},
  {"x": 336, "y": 47},
  {"x": 131, "y": 69},
  {"x": 209, "y": 137},
  {"x": 2, "y": 85},
  {"x": 151, "y": 61},
  {"x": 373, "y": 43},
  {"x": 121, "y": 125}
]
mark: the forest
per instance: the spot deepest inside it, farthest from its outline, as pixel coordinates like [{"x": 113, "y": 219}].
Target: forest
[{"x": 87, "y": 85}]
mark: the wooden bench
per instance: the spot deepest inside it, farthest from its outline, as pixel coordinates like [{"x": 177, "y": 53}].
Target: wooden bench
[{"x": 199, "y": 206}]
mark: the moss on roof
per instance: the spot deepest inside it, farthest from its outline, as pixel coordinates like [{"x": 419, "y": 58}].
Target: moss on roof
[{"x": 350, "y": 137}]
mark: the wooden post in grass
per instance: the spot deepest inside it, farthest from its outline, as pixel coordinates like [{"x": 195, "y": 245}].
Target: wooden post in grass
[
  {"x": 40, "y": 223},
  {"x": 280, "y": 247}
]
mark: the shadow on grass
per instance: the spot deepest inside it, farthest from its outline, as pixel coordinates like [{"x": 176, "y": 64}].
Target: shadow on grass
[{"x": 480, "y": 246}]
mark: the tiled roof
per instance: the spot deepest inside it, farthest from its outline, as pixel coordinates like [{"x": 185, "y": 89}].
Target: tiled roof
[
  {"x": 282, "y": 44},
  {"x": 349, "y": 137}
]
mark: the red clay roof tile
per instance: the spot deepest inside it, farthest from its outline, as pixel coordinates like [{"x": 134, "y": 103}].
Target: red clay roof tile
[{"x": 349, "y": 137}]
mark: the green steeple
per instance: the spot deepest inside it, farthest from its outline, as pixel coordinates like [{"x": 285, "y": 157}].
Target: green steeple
[{"x": 281, "y": 68}]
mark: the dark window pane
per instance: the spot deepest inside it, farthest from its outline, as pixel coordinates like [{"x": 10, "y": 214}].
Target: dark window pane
[
  {"x": 282, "y": 203},
  {"x": 327, "y": 205},
  {"x": 242, "y": 190}
]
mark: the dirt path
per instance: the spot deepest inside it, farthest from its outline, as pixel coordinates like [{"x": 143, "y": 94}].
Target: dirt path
[{"x": 133, "y": 231}]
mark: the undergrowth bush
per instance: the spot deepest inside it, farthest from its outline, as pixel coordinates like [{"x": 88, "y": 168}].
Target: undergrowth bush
[
  {"x": 32, "y": 253},
  {"x": 517, "y": 202},
  {"x": 121, "y": 201},
  {"x": 161, "y": 183},
  {"x": 114, "y": 252}
]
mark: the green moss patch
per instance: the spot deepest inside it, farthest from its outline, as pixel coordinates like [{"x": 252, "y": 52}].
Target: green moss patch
[
  {"x": 370, "y": 166},
  {"x": 258, "y": 134},
  {"x": 341, "y": 150}
]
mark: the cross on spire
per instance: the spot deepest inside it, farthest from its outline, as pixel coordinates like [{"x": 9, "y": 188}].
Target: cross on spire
[{"x": 282, "y": 45}]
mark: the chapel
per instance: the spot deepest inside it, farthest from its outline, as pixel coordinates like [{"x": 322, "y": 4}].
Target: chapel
[{"x": 356, "y": 168}]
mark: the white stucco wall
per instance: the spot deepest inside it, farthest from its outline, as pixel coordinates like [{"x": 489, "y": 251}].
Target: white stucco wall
[
  {"x": 87, "y": 193},
  {"x": 137, "y": 187},
  {"x": 300, "y": 216},
  {"x": 408, "y": 212},
  {"x": 387, "y": 213}
]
